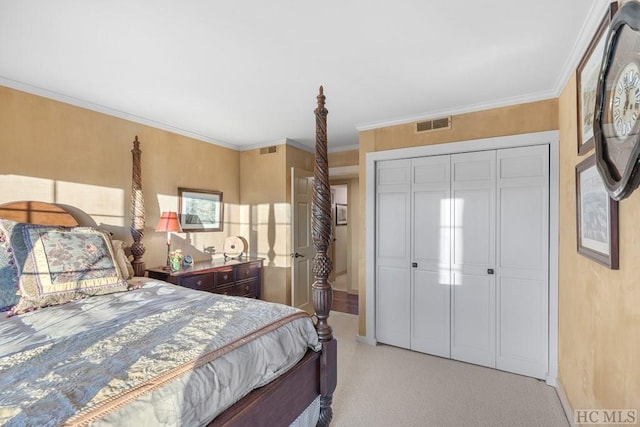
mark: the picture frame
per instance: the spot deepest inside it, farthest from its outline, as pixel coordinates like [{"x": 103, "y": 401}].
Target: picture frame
[
  {"x": 596, "y": 216},
  {"x": 341, "y": 214},
  {"x": 587, "y": 81},
  {"x": 200, "y": 210}
]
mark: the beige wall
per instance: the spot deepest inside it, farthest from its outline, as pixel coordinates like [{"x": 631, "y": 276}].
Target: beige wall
[
  {"x": 343, "y": 158},
  {"x": 64, "y": 154},
  {"x": 599, "y": 309},
  {"x": 265, "y": 219},
  {"x": 525, "y": 118}
]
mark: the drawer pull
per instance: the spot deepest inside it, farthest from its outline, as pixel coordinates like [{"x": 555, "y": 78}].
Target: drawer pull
[
  {"x": 199, "y": 283},
  {"x": 246, "y": 287},
  {"x": 225, "y": 277}
]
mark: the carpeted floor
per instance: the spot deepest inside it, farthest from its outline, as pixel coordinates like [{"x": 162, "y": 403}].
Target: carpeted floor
[{"x": 388, "y": 386}]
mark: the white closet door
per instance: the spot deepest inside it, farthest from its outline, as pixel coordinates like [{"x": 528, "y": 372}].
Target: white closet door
[
  {"x": 523, "y": 260},
  {"x": 473, "y": 331},
  {"x": 430, "y": 299},
  {"x": 393, "y": 252}
]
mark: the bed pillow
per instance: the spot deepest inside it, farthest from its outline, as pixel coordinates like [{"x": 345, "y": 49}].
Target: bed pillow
[
  {"x": 8, "y": 267},
  {"x": 121, "y": 258},
  {"x": 65, "y": 264}
]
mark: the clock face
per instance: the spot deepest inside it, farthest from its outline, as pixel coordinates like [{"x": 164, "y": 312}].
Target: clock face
[
  {"x": 617, "y": 117},
  {"x": 625, "y": 100}
]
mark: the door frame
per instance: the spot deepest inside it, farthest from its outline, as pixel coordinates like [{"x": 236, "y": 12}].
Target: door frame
[{"x": 550, "y": 138}]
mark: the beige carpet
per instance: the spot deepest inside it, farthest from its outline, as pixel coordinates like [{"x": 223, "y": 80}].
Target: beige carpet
[{"x": 387, "y": 386}]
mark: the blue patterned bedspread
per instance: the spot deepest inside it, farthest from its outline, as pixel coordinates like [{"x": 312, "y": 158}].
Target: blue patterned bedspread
[{"x": 158, "y": 355}]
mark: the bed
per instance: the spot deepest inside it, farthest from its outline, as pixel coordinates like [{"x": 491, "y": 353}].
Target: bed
[{"x": 99, "y": 344}]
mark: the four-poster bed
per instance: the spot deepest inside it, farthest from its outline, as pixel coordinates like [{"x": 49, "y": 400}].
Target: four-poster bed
[{"x": 297, "y": 390}]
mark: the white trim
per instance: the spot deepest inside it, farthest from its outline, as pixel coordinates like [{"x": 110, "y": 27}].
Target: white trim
[
  {"x": 551, "y": 138},
  {"x": 299, "y": 145},
  {"x": 109, "y": 111},
  {"x": 520, "y": 99},
  {"x": 589, "y": 28},
  {"x": 365, "y": 340},
  {"x": 568, "y": 412}
]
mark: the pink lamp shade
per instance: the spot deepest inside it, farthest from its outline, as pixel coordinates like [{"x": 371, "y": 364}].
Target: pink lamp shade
[{"x": 168, "y": 222}]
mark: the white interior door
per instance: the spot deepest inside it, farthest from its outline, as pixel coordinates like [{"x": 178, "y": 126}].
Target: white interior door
[
  {"x": 302, "y": 243},
  {"x": 431, "y": 237},
  {"x": 393, "y": 252},
  {"x": 473, "y": 257},
  {"x": 523, "y": 260}
]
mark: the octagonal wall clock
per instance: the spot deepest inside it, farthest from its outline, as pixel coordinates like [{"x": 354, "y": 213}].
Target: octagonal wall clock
[{"x": 617, "y": 110}]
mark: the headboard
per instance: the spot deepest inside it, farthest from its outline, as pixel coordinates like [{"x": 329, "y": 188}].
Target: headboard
[{"x": 37, "y": 213}]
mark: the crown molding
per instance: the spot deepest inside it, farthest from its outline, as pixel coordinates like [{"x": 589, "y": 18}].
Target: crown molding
[
  {"x": 520, "y": 99},
  {"x": 49, "y": 94},
  {"x": 588, "y": 29}
]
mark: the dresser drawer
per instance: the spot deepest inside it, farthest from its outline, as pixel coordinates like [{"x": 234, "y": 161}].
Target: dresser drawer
[
  {"x": 248, "y": 270},
  {"x": 203, "y": 282},
  {"x": 228, "y": 289},
  {"x": 248, "y": 288},
  {"x": 222, "y": 277}
]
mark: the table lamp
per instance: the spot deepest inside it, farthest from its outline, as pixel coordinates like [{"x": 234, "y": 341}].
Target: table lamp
[{"x": 168, "y": 222}]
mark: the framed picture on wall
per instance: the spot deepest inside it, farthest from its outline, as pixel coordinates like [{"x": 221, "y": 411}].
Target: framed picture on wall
[
  {"x": 587, "y": 80},
  {"x": 341, "y": 214},
  {"x": 597, "y": 216},
  {"x": 200, "y": 210}
]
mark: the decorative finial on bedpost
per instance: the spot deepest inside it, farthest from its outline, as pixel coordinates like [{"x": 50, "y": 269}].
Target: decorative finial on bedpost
[
  {"x": 322, "y": 290},
  {"x": 137, "y": 212}
]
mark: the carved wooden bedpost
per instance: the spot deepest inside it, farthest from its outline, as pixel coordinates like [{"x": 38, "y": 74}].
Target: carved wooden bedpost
[
  {"x": 322, "y": 290},
  {"x": 137, "y": 212}
]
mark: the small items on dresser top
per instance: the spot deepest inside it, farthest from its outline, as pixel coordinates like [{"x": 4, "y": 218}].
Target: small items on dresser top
[{"x": 237, "y": 277}]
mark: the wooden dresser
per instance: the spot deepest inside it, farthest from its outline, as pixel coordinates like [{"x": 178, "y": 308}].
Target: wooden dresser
[{"x": 238, "y": 277}]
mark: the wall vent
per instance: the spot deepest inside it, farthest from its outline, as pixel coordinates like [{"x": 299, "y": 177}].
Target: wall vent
[
  {"x": 269, "y": 150},
  {"x": 435, "y": 124}
]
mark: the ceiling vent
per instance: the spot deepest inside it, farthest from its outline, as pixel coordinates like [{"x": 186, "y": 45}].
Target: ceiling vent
[
  {"x": 269, "y": 150},
  {"x": 435, "y": 124}
]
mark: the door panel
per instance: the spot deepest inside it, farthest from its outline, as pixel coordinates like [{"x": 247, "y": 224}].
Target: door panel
[
  {"x": 301, "y": 265},
  {"x": 431, "y": 224},
  {"x": 473, "y": 319},
  {"x": 473, "y": 256},
  {"x": 393, "y": 306},
  {"x": 523, "y": 260},
  {"x": 393, "y": 262}
]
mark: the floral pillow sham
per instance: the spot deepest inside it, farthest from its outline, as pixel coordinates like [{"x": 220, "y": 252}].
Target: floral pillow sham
[{"x": 58, "y": 265}]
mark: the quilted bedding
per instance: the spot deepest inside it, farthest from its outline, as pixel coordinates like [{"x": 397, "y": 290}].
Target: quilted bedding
[{"x": 160, "y": 355}]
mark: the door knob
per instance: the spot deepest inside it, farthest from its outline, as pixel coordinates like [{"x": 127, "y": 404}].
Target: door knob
[{"x": 296, "y": 255}]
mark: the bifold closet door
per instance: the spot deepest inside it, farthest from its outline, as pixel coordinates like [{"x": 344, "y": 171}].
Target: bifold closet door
[
  {"x": 523, "y": 261},
  {"x": 393, "y": 252},
  {"x": 473, "y": 284},
  {"x": 431, "y": 247}
]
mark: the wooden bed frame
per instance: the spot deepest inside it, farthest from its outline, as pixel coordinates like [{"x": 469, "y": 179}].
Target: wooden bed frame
[{"x": 280, "y": 402}]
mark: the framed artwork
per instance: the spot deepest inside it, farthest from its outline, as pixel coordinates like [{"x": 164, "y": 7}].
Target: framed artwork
[
  {"x": 597, "y": 216},
  {"x": 341, "y": 214},
  {"x": 587, "y": 80},
  {"x": 200, "y": 210}
]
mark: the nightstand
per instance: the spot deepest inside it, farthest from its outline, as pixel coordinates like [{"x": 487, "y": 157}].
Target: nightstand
[{"x": 238, "y": 277}]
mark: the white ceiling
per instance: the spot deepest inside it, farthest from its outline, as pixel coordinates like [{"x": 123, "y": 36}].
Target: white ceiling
[{"x": 245, "y": 73}]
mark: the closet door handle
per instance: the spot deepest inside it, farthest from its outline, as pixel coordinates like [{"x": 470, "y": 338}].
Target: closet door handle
[
  {"x": 414, "y": 264},
  {"x": 490, "y": 271}
]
